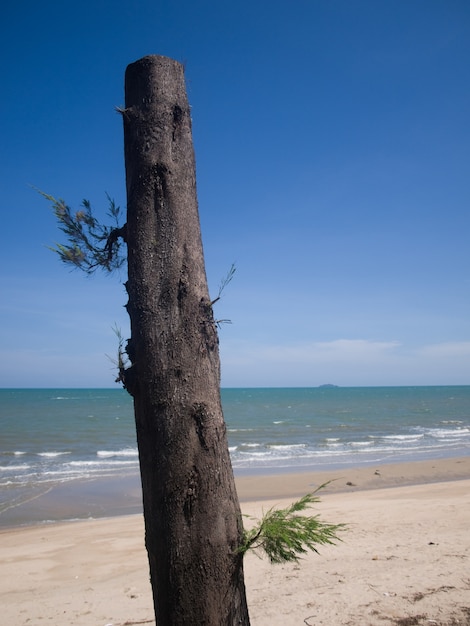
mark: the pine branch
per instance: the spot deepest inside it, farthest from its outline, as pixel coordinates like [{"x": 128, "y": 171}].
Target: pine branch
[
  {"x": 224, "y": 282},
  {"x": 284, "y": 535},
  {"x": 90, "y": 244}
]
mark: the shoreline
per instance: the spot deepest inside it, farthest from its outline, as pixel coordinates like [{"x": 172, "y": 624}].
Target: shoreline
[
  {"x": 402, "y": 560},
  {"x": 111, "y": 497},
  {"x": 353, "y": 478}
]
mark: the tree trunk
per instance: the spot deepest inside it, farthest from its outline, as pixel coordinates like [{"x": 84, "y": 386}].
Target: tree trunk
[{"x": 192, "y": 515}]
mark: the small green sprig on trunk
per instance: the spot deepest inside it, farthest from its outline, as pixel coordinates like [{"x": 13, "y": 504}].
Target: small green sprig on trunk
[
  {"x": 90, "y": 244},
  {"x": 284, "y": 535}
]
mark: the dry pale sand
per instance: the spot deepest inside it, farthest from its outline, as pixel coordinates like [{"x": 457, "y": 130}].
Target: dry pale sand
[{"x": 404, "y": 560}]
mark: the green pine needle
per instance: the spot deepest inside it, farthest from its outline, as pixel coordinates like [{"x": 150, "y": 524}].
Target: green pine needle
[
  {"x": 284, "y": 535},
  {"x": 90, "y": 244}
]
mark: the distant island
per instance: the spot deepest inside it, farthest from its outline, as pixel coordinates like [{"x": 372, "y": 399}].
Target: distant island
[{"x": 327, "y": 386}]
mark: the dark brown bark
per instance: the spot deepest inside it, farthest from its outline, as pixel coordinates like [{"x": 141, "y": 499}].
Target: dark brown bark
[{"x": 192, "y": 516}]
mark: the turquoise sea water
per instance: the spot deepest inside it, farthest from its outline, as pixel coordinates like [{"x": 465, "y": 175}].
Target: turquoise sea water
[{"x": 51, "y": 438}]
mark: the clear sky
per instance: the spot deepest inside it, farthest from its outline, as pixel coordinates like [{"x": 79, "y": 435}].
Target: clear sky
[{"x": 332, "y": 144}]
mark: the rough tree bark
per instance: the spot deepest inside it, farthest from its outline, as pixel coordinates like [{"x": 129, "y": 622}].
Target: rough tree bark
[{"x": 192, "y": 516}]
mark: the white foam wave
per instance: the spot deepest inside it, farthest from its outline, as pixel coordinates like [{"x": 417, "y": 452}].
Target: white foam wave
[
  {"x": 403, "y": 437},
  {"x": 240, "y": 430},
  {"x": 104, "y": 454},
  {"x": 292, "y": 446},
  {"x": 100, "y": 463},
  {"x": 255, "y": 454},
  {"x": 65, "y": 398},
  {"x": 444, "y": 432},
  {"x": 53, "y": 454}
]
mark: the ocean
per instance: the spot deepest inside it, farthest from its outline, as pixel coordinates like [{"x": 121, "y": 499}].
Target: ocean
[{"x": 52, "y": 439}]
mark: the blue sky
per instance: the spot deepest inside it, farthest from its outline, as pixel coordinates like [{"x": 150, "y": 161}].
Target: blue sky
[{"x": 332, "y": 143}]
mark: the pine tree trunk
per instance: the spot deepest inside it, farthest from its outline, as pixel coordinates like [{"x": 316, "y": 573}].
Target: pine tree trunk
[{"x": 192, "y": 515}]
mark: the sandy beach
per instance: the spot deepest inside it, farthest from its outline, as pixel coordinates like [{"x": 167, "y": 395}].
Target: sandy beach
[{"x": 405, "y": 558}]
